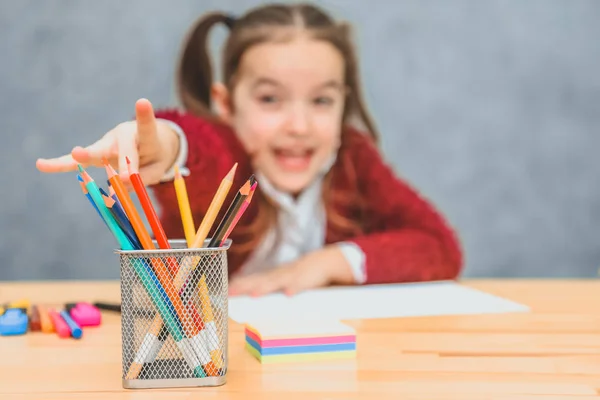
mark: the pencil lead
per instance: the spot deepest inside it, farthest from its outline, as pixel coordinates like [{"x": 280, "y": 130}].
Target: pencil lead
[{"x": 252, "y": 189}]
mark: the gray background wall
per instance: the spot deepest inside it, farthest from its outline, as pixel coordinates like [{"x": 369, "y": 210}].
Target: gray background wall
[{"x": 491, "y": 108}]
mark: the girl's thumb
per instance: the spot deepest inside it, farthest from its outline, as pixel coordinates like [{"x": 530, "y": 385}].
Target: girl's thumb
[{"x": 144, "y": 116}]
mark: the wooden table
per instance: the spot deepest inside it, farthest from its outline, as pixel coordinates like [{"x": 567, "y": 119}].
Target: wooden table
[{"x": 551, "y": 353}]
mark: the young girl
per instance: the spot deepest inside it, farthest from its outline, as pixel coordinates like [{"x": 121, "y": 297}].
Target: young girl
[{"x": 328, "y": 210}]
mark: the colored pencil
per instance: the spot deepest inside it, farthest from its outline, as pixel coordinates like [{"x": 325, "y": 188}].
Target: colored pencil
[
  {"x": 87, "y": 195},
  {"x": 129, "y": 207},
  {"x": 209, "y": 322},
  {"x": 190, "y": 326},
  {"x": 122, "y": 220},
  {"x": 45, "y": 321},
  {"x": 234, "y": 207},
  {"x": 185, "y": 210},
  {"x": 113, "y": 195},
  {"x": 239, "y": 214},
  {"x": 242, "y": 193},
  {"x": 185, "y": 291},
  {"x": 35, "y": 324},
  {"x": 189, "y": 265},
  {"x": 213, "y": 209},
  {"x": 146, "y": 275},
  {"x": 94, "y": 191}
]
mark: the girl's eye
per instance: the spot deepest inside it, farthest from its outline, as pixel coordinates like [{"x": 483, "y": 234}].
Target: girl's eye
[
  {"x": 323, "y": 100},
  {"x": 268, "y": 99}
]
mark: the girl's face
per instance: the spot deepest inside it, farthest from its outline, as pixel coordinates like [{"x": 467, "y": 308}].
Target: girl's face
[{"x": 287, "y": 108}]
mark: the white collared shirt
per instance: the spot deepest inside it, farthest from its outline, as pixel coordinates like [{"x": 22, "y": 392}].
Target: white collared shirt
[{"x": 300, "y": 226}]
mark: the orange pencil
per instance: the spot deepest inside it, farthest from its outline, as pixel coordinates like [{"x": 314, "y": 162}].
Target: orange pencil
[
  {"x": 46, "y": 322},
  {"x": 129, "y": 207}
]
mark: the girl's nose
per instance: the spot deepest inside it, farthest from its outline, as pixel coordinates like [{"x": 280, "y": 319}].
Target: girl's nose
[{"x": 298, "y": 122}]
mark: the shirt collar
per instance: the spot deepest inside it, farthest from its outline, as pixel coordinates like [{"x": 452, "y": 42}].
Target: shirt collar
[{"x": 285, "y": 200}]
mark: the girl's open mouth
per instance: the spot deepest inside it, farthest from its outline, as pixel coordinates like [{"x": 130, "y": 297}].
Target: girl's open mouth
[{"x": 294, "y": 159}]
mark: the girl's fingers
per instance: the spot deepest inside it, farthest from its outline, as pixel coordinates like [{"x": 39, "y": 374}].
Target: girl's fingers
[
  {"x": 94, "y": 153},
  {"x": 145, "y": 119},
  {"x": 64, "y": 163}
]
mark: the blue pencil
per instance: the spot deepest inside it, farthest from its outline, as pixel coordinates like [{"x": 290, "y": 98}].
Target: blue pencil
[{"x": 89, "y": 197}]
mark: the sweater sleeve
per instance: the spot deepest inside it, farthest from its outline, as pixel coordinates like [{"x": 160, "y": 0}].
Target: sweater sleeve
[
  {"x": 410, "y": 241},
  {"x": 211, "y": 153}
]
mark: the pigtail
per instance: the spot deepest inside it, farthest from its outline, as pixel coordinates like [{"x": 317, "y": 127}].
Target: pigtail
[{"x": 195, "y": 77}]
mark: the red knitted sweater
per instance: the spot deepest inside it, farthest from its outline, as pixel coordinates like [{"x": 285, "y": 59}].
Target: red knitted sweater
[{"x": 405, "y": 239}]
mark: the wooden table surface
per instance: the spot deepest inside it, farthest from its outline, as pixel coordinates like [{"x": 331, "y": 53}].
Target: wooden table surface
[{"x": 551, "y": 353}]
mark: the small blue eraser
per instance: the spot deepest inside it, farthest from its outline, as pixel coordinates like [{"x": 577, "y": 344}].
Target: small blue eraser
[{"x": 13, "y": 322}]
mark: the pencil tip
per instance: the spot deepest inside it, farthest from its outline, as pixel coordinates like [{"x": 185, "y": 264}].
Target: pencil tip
[
  {"x": 105, "y": 161},
  {"x": 252, "y": 189},
  {"x": 231, "y": 173},
  {"x": 245, "y": 190},
  {"x": 108, "y": 202},
  {"x": 127, "y": 159},
  {"x": 79, "y": 178},
  {"x": 80, "y": 168},
  {"x": 177, "y": 172}
]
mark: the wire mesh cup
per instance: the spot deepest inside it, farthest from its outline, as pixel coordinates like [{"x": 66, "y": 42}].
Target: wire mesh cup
[{"x": 174, "y": 319}]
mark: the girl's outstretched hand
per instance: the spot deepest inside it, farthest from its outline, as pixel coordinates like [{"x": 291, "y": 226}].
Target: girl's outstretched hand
[
  {"x": 152, "y": 148},
  {"x": 317, "y": 269}
]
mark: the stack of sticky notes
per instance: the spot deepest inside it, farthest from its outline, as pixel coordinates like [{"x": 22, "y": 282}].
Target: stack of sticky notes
[{"x": 300, "y": 340}]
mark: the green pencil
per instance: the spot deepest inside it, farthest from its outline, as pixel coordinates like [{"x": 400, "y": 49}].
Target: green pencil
[{"x": 147, "y": 277}]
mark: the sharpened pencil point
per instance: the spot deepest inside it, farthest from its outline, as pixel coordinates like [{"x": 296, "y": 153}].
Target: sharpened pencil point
[
  {"x": 231, "y": 172},
  {"x": 80, "y": 168}
]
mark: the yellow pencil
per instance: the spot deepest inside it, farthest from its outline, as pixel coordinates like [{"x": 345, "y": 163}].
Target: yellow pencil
[
  {"x": 184, "y": 207},
  {"x": 209, "y": 324}
]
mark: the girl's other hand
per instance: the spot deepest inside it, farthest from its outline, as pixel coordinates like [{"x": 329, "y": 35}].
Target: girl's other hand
[
  {"x": 151, "y": 148},
  {"x": 317, "y": 269}
]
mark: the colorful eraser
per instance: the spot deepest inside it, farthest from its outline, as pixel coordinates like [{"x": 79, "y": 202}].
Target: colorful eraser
[
  {"x": 74, "y": 329},
  {"x": 85, "y": 314},
  {"x": 60, "y": 326},
  {"x": 13, "y": 322}
]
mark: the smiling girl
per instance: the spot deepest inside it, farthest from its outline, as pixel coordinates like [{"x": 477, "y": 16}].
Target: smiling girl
[{"x": 328, "y": 209}]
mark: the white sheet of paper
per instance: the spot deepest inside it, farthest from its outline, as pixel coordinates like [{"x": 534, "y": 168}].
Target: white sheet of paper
[{"x": 372, "y": 301}]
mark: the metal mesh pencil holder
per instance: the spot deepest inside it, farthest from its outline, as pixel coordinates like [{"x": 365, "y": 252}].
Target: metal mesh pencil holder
[{"x": 174, "y": 320}]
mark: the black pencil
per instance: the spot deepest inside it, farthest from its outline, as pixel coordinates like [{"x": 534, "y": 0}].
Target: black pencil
[{"x": 231, "y": 212}]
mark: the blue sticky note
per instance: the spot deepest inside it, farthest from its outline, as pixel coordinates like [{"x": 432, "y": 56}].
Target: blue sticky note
[{"x": 13, "y": 322}]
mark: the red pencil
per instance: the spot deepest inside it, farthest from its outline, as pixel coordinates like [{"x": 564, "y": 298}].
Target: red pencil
[
  {"x": 237, "y": 217},
  {"x": 146, "y": 203}
]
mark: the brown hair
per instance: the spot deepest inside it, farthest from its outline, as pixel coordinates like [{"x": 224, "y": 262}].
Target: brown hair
[{"x": 270, "y": 23}]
